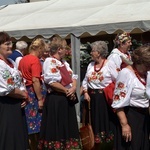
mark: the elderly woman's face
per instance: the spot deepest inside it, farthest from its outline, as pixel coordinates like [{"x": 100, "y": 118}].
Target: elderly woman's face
[
  {"x": 6, "y": 48},
  {"x": 94, "y": 54},
  {"x": 126, "y": 46}
]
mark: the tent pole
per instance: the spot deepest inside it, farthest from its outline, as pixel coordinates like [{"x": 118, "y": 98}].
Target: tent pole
[{"x": 75, "y": 48}]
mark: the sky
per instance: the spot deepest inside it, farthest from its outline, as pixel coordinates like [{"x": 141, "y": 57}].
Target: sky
[{"x": 7, "y": 2}]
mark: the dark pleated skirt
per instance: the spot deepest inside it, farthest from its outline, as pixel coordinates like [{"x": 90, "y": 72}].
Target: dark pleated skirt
[
  {"x": 140, "y": 126},
  {"x": 13, "y": 128},
  {"x": 59, "y": 128},
  {"x": 103, "y": 119}
]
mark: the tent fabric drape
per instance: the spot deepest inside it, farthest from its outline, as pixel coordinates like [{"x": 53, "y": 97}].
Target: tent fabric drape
[{"x": 65, "y": 17}]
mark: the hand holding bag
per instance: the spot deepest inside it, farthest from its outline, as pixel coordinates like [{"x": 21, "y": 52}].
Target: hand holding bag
[{"x": 86, "y": 133}]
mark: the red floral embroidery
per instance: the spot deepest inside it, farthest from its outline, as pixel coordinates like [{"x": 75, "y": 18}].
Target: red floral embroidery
[
  {"x": 75, "y": 144},
  {"x": 101, "y": 78},
  {"x": 94, "y": 77},
  {"x": 54, "y": 61},
  {"x": 53, "y": 70},
  {"x": 99, "y": 73},
  {"x": 118, "y": 69},
  {"x": 10, "y": 81},
  {"x": 57, "y": 145},
  {"x": 122, "y": 94},
  {"x": 116, "y": 97},
  {"x": 120, "y": 85},
  {"x": 60, "y": 145},
  {"x": 97, "y": 139},
  {"x": 93, "y": 73}
]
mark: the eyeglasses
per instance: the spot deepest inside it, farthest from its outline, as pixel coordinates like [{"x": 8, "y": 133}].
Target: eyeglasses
[{"x": 8, "y": 43}]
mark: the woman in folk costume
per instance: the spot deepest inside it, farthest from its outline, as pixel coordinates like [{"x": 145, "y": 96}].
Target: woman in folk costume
[
  {"x": 100, "y": 73},
  {"x": 59, "y": 128},
  {"x": 120, "y": 54},
  {"x": 131, "y": 101},
  {"x": 13, "y": 98}
]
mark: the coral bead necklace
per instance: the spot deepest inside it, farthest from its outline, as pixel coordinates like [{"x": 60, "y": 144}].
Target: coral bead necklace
[
  {"x": 97, "y": 70},
  {"x": 139, "y": 77}
]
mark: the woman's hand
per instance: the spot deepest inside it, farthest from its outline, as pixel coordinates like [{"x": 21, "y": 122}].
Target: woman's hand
[
  {"x": 87, "y": 97},
  {"x": 70, "y": 92},
  {"x": 24, "y": 103},
  {"x": 40, "y": 103},
  {"x": 126, "y": 132}
]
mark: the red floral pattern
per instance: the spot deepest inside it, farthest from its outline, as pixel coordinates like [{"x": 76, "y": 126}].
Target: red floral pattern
[
  {"x": 10, "y": 81},
  {"x": 121, "y": 88},
  {"x": 96, "y": 76},
  {"x": 60, "y": 145},
  {"x": 54, "y": 70}
]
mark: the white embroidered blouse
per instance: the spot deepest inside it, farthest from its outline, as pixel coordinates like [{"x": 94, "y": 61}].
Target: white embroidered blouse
[
  {"x": 10, "y": 78},
  {"x": 100, "y": 79},
  {"x": 51, "y": 72},
  {"x": 129, "y": 91},
  {"x": 116, "y": 55}
]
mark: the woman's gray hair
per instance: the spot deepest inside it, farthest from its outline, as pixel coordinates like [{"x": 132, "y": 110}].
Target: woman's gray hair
[{"x": 101, "y": 47}]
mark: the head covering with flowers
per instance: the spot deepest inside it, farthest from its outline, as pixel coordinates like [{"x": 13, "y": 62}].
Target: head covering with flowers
[{"x": 120, "y": 38}]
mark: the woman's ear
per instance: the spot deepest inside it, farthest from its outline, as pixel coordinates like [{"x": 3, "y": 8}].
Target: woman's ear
[{"x": 59, "y": 50}]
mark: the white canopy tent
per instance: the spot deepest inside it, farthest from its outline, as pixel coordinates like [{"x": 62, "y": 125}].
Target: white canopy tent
[
  {"x": 80, "y": 17},
  {"x": 75, "y": 18}
]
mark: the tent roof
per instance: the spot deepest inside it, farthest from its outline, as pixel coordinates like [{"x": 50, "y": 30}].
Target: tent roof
[{"x": 79, "y": 17}]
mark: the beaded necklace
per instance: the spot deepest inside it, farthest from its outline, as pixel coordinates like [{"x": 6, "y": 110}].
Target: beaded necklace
[
  {"x": 97, "y": 70},
  {"x": 138, "y": 76},
  {"x": 7, "y": 62}
]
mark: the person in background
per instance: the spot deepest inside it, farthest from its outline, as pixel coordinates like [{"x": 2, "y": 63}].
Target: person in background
[
  {"x": 46, "y": 52},
  {"x": 13, "y": 96},
  {"x": 132, "y": 103},
  {"x": 31, "y": 69},
  {"x": 100, "y": 73},
  {"x": 19, "y": 52},
  {"x": 59, "y": 128},
  {"x": 120, "y": 54}
]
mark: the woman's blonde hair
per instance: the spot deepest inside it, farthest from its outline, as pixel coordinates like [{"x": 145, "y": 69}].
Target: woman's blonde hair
[{"x": 36, "y": 44}]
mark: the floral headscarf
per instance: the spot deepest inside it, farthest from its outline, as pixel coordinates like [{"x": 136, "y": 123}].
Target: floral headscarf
[{"x": 120, "y": 38}]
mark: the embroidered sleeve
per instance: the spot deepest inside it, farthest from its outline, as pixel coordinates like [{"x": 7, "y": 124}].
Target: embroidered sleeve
[
  {"x": 85, "y": 80},
  {"x": 123, "y": 89},
  {"x": 51, "y": 70},
  {"x": 113, "y": 70},
  {"x": 9, "y": 79},
  {"x": 116, "y": 59}
]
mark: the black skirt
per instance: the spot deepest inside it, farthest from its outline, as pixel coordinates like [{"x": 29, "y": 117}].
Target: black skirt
[
  {"x": 59, "y": 128},
  {"x": 103, "y": 119},
  {"x": 138, "y": 119},
  {"x": 13, "y": 128}
]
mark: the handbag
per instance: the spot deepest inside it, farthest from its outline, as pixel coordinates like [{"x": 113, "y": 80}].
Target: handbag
[
  {"x": 66, "y": 77},
  {"x": 86, "y": 133}
]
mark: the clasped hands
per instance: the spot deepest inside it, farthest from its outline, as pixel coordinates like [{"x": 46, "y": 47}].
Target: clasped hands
[{"x": 71, "y": 93}]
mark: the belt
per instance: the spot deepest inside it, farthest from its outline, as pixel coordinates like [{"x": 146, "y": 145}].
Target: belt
[{"x": 94, "y": 91}]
